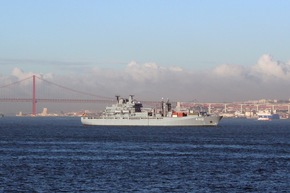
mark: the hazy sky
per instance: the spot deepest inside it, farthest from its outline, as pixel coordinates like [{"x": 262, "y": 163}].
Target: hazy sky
[{"x": 203, "y": 49}]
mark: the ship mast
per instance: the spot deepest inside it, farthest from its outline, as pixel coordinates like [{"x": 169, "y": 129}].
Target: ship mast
[{"x": 118, "y": 98}]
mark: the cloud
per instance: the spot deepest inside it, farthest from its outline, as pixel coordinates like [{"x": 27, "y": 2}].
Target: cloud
[
  {"x": 150, "y": 72},
  {"x": 268, "y": 69},
  {"x": 229, "y": 70},
  {"x": 268, "y": 78},
  {"x": 18, "y": 74}
]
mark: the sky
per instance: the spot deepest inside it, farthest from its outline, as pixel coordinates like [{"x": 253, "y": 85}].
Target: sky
[{"x": 200, "y": 50}]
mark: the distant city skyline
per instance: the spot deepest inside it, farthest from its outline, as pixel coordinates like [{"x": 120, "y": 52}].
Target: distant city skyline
[{"x": 219, "y": 51}]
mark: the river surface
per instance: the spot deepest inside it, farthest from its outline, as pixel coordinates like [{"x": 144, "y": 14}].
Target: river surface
[{"x": 39, "y": 154}]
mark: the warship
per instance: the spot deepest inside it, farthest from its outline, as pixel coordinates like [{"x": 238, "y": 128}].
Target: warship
[{"x": 130, "y": 112}]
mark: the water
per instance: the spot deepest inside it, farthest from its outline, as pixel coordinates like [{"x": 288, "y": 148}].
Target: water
[{"x": 60, "y": 155}]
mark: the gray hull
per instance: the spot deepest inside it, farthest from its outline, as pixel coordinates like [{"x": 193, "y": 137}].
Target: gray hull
[{"x": 164, "y": 121}]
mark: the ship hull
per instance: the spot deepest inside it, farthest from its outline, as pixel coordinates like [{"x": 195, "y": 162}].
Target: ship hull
[{"x": 163, "y": 121}]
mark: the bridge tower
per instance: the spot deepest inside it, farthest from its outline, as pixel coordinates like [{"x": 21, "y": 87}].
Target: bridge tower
[{"x": 33, "y": 96}]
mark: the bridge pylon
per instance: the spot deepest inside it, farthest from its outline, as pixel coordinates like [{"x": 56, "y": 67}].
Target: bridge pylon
[{"x": 33, "y": 96}]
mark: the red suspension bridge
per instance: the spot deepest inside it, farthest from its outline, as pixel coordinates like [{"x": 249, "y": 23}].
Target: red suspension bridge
[{"x": 35, "y": 90}]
